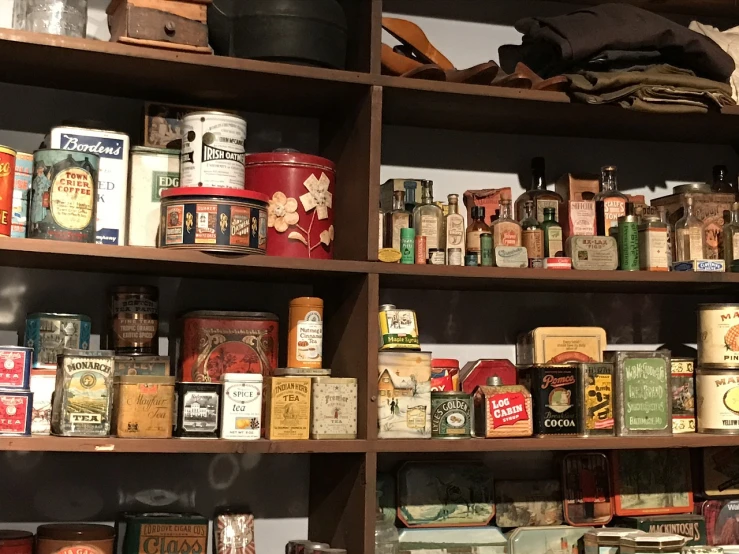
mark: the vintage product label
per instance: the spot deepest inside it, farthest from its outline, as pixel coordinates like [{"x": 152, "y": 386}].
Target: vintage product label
[
  {"x": 455, "y": 235},
  {"x": 71, "y": 198},
  {"x": 689, "y": 243},
  {"x": 507, "y": 234},
  {"x": 597, "y": 398},
  {"x": 713, "y": 233},
  {"x": 170, "y": 538},
  {"x": 421, "y": 252},
  {"x": 683, "y": 395},
  {"x": 596, "y": 253},
  {"x": 653, "y": 249},
  {"x": 21, "y": 188},
  {"x": 533, "y": 242},
  {"x": 555, "y": 400},
  {"x": 430, "y": 230},
  {"x": 7, "y": 177},
  {"x": 628, "y": 246},
  {"x": 404, "y": 394},
  {"x": 135, "y": 323},
  {"x": 646, "y": 394},
  {"x": 398, "y": 224},
  {"x": 507, "y": 409},
  {"x": 199, "y": 412},
  {"x": 398, "y": 329},
  {"x": 542, "y": 204},
  {"x": 14, "y": 368},
  {"x": 553, "y": 241},
  {"x": 455, "y": 256},
  {"x": 174, "y": 224},
  {"x": 43, "y": 383},
  {"x": 309, "y": 337},
  {"x": 511, "y": 256},
  {"x": 451, "y": 416},
  {"x": 552, "y": 346},
  {"x": 613, "y": 208},
  {"x": 82, "y": 400},
  {"x": 718, "y": 401},
  {"x": 151, "y": 174},
  {"x": 718, "y": 335},
  {"x": 144, "y": 410},
  {"x": 212, "y": 151},
  {"x": 205, "y": 223},
  {"x": 587, "y": 490},
  {"x": 242, "y": 410},
  {"x": 472, "y": 244},
  {"x": 15, "y": 409},
  {"x": 333, "y": 409},
  {"x": 692, "y": 527},
  {"x": 141, "y": 365},
  {"x": 581, "y": 218},
  {"x": 234, "y": 534},
  {"x": 735, "y": 246},
  {"x": 49, "y": 336},
  {"x": 289, "y": 408}
]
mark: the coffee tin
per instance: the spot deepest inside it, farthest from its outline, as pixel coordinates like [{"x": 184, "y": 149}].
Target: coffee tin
[
  {"x": 213, "y": 150},
  {"x": 718, "y": 335},
  {"x": 595, "y": 394},
  {"x": 21, "y": 192},
  {"x": 141, "y": 365},
  {"x": 333, "y": 408},
  {"x": 214, "y": 220},
  {"x": 241, "y": 406},
  {"x": 63, "y": 193},
  {"x": 683, "y": 395},
  {"x": 554, "y": 393},
  {"x": 133, "y": 316},
  {"x": 15, "y": 367},
  {"x": 50, "y": 333},
  {"x": 16, "y": 407},
  {"x": 718, "y": 401},
  {"x": 451, "y": 415},
  {"x": 16, "y": 542},
  {"x": 198, "y": 410}
]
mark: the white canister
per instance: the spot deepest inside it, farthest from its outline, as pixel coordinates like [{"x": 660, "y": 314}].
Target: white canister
[
  {"x": 717, "y": 392},
  {"x": 718, "y": 335},
  {"x": 241, "y": 406}
]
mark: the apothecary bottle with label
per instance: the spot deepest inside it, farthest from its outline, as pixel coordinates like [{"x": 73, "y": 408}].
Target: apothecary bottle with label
[
  {"x": 610, "y": 204},
  {"x": 506, "y": 230},
  {"x": 689, "y": 235},
  {"x": 532, "y": 235},
  {"x": 538, "y": 193},
  {"x": 428, "y": 219},
  {"x": 454, "y": 232},
  {"x": 664, "y": 218},
  {"x": 553, "y": 241},
  {"x": 731, "y": 238},
  {"x": 397, "y": 219},
  {"x": 476, "y": 228}
]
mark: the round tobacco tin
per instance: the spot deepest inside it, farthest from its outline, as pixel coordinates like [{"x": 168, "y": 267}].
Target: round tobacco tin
[{"x": 451, "y": 415}]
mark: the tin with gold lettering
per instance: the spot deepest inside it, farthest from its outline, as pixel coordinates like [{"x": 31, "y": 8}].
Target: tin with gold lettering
[
  {"x": 143, "y": 406},
  {"x": 451, "y": 415},
  {"x": 287, "y": 408},
  {"x": 158, "y": 533}
]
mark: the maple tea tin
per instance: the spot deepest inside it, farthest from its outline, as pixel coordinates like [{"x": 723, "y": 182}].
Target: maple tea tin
[
  {"x": 717, "y": 392},
  {"x": 241, "y": 406},
  {"x": 595, "y": 396},
  {"x": 451, "y": 415},
  {"x": 198, "y": 410},
  {"x": 16, "y": 542},
  {"x": 554, "y": 394},
  {"x": 333, "y": 408},
  {"x": 15, "y": 367},
  {"x": 50, "y": 333},
  {"x": 16, "y": 408},
  {"x": 718, "y": 335}
]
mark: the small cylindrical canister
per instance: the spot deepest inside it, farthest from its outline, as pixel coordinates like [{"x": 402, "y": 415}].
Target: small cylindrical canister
[
  {"x": 143, "y": 406},
  {"x": 718, "y": 335},
  {"x": 16, "y": 542},
  {"x": 75, "y": 537},
  {"x": 470, "y": 259},
  {"x": 241, "y": 406},
  {"x": 717, "y": 393},
  {"x": 437, "y": 256},
  {"x": 451, "y": 415},
  {"x": 305, "y": 339},
  {"x": 7, "y": 178},
  {"x": 407, "y": 245},
  {"x": 134, "y": 320},
  {"x": 421, "y": 250}
]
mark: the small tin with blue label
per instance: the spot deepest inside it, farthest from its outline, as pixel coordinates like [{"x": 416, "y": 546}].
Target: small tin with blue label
[
  {"x": 210, "y": 219},
  {"x": 15, "y": 367},
  {"x": 704, "y": 266},
  {"x": 16, "y": 408},
  {"x": 48, "y": 334}
]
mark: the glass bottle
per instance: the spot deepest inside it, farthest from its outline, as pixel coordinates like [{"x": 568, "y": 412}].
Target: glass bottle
[
  {"x": 476, "y": 228},
  {"x": 721, "y": 182},
  {"x": 506, "y": 230},
  {"x": 454, "y": 233},
  {"x": 610, "y": 204},
  {"x": 383, "y": 220},
  {"x": 397, "y": 219},
  {"x": 731, "y": 237},
  {"x": 428, "y": 219},
  {"x": 689, "y": 235},
  {"x": 553, "y": 244},
  {"x": 386, "y": 535},
  {"x": 664, "y": 218},
  {"x": 538, "y": 192},
  {"x": 532, "y": 234}
]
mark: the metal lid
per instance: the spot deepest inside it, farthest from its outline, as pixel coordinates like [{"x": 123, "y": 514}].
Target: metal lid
[
  {"x": 214, "y": 314},
  {"x": 301, "y": 372},
  {"x": 54, "y": 315},
  {"x": 75, "y": 532},
  {"x": 387, "y": 307},
  {"x": 334, "y": 380},
  {"x": 444, "y": 362},
  {"x": 213, "y": 112},
  {"x": 307, "y": 301},
  {"x": 494, "y": 381},
  {"x": 7, "y": 150},
  {"x": 88, "y": 353},
  {"x": 654, "y": 542},
  {"x": 142, "y": 358},
  {"x": 14, "y": 535},
  {"x": 68, "y": 153},
  {"x": 719, "y": 306},
  {"x": 289, "y": 159},
  {"x": 143, "y": 380},
  {"x": 151, "y": 150},
  {"x": 241, "y": 378},
  {"x": 692, "y": 187},
  {"x": 178, "y": 192}
]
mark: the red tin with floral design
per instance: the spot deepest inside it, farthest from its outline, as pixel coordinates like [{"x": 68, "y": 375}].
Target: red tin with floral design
[{"x": 301, "y": 215}]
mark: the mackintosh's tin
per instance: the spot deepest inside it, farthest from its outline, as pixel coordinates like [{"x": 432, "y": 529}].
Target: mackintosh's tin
[
  {"x": 141, "y": 365},
  {"x": 718, "y": 335},
  {"x": 718, "y": 401},
  {"x": 15, "y": 367},
  {"x": 21, "y": 192},
  {"x": 16, "y": 408},
  {"x": 595, "y": 394},
  {"x": 134, "y": 320},
  {"x": 683, "y": 395},
  {"x": 63, "y": 193},
  {"x": 164, "y": 532},
  {"x": 16, "y": 542},
  {"x": 214, "y": 220},
  {"x": 554, "y": 392},
  {"x": 49, "y": 334},
  {"x": 198, "y": 410},
  {"x": 451, "y": 415},
  {"x": 690, "y": 526},
  {"x": 7, "y": 178},
  {"x": 587, "y": 489}
]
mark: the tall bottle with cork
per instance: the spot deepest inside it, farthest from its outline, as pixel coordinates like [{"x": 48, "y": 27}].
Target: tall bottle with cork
[
  {"x": 506, "y": 230},
  {"x": 428, "y": 219},
  {"x": 398, "y": 219},
  {"x": 454, "y": 232},
  {"x": 690, "y": 238},
  {"x": 538, "y": 193},
  {"x": 610, "y": 204}
]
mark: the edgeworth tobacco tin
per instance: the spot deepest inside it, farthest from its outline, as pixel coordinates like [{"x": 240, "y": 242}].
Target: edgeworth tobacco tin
[
  {"x": 16, "y": 407},
  {"x": 333, "y": 408},
  {"x": 451, "y": 415},
  {"x": 718, "y": 335},
  {"x": 595, "y": 393},
  {"x": 718, "y": 401},
  {"x": 198, "y": 410},
  {"x": 554, "y": 393},
  {"x": 683, "y": 395},
  {"x": 15, "y": 367},
  {"x": 164, "y": 533},
  {"x": 49, "y": 334},
  {"x": 63, "y": 193}
]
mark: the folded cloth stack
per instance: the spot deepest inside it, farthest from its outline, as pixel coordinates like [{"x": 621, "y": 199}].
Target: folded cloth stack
[{"x": 624, "y": 55}]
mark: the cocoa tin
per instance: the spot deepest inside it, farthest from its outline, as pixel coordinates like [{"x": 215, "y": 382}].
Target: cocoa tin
[
  {"x": 595, "y": 394},
  {"x": 587, "y": 489},
  {"x": 333, "y": 408},
  {"x": 690, "y": 526},
  {"x": 718, "y": 335},
  {"x": 528, "y": 503},
  {"x": 7, "y": 177},
  {"x": 287, "y": 408},
  {"x": 451, "y": 415},
  {"x": 160, "y": 533},
  {"x": 721, "y": 521},
  {"x": 15, "y": 367},
  {"x": 404, "y": 395},
  {"x": 21, "y": 192},
  {"x": 16, "y": 542},
  {"x": 717, "y": 392},
  {"x": 554, "y": 394},
  {"x": 49, "y": 334},
  {"x": 143, "y": 406},
  {"x": 558, "y": 345},
  {"x": 16, "y": 407},
  {"x": 682, "y": 384},
  {"x": 198, "y": 410},
  {"x": 241, "y": 406},
  {"x": 141, "y": 365},
  {"x": 214, "y": 343},
  {"x": 721, "y": 471},
  {"x": 476, "y": 373},
  {"x": 43, "y": 382},
  {"x": 75, "y": 538},
  {"x": 134, "y": 320},
  {"x": 234, "y": 534}
]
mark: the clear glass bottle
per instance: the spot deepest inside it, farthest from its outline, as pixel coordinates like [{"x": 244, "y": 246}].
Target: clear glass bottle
[
  {"x": 731, "y": 237},
  {"x": 664, "y": 218},
  {"x": 454, "y": 233},
  {"x": 538, "y": 192},
  {"x": 532, "y": 235},
  {"x": 382, "y": 222},
  {"x": 386, "y": 535},
  {"x": 689, "y": 235},
  {"x": 428, "y": 219},
  {"x": 398, "y": 219},
  {"x": 553, "y": 243},
  {"x": 610, "y": 204},
  {"x": 506, "y": 230},
  {"x": 476, "y": 228},
  {"x": 721, "y": 182}
]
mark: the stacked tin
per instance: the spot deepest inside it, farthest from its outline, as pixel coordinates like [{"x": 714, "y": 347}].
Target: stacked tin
[{"x": 16, "y": 398}]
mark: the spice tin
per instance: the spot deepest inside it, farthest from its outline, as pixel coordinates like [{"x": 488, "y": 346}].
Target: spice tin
[
  {"x": 721, "y": 517},
  {"x": 595, "y": 394},
  {"x": 333, "y": 408},
  {"x": 49, "y": 334},
  {"x": 451, "y": 415},
  {"x": 153, "y": 171},
  {"x": 198, "y": 410},
  {"x": 16, "y": 408},
  {"x": 718, "y": 401},
  {"x": 214, "y": 343},
  {"x": 683, "y": 395},
  {"x": 503, "y": 411},
  {"x": 234, "y": 534},
  {"x": 690, "y": 526},
  {"x": 587, "y": 489},
  {"x": 160, "y": 533},
  {"x": 420, "y": 505},
  {"x": 476, "y": 373},
  {"x": 241, "y": 406},
  {"x": 209, "y": 219},
  {"x": 554, "y": 395},
  {"x": 287, "y": 408},
  {"x": 305, "y": 337},
  {"x": 83, "y": 395},
  {"x": 718, "y": 335},
  {"x": 134, "y": 320},
  {"x": 651, "y": 542},
  {"x": 16, "y": 542},
  {"x": 21, "y": 192},
  {"x": 720, "y": 471},
  {"x": 7, "y": 178},
  {"x": 643, "y": 397},
  {"x": 398, "y": 329},
  {"x": 15, "y": 367},
  {"x": 404, "y": 395},
  {"x": 143, "y": 406},
  {"x": 43, "y": 382},
  {"x": 604, "y": 541},
  {"x": 651, "y": 482},
  {"x": 511, "y": 256},
  {"x": 112, "y": 190},
  {"x": 77, "y": 538},
  {"x": 444, "y": 375},
  {"x": 559, "y": 345},
  {"x": 141, "y": 365},
  {"x": 528, "y": 503},
  {"x": 63, "y": 192},
  {"x": 558, "y": 539}
]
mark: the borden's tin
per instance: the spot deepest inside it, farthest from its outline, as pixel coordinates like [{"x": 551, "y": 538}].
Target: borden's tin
[
  {"x": 718, "y": 335},
  {"x": 214, "y": 220},
  {"x": 451, "y": 415},
  {"x": 718, "y": 401},
  {"x": 63, "y": 195},
  {"x": 49, "y": 334},
  {"x": 16, "y": 542},
  {"x": 212, "y": 150},
  {"x": 7, "y": 178}
]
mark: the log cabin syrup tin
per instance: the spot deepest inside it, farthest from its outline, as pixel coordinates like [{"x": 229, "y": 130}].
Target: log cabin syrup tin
[
  {"x": 717, "y": 392},
  {"x": 241, "y": 406},
  {"x": 198, "y": 410},
  {"x": 502, "y": 410},
  {"x": 49, "y": 334},
  {"x": 333, "y": 408},
  {"x": 718, "y": 336},
  {"x": 16, "y": 542},
  {"x": 15, "y": 367}
]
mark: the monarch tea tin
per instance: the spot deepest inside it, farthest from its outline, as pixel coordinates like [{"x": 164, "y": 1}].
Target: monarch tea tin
[
  {"x": 333, "y": 408},
  {"x": 63, "y": 193},
  {"x": 7, "y": 179},
  {"x": 718, "y": 335},
  {"x": 214, "y": 220},
  {"x": 451, "y": 415},
  {"x": 718, "y": 401},
  {"x": 21, "y": 192},
  {"x": 15, "y": 367},
  {"x": 241, "y": 406},
  {"x": 49, "y": 334},
  {"x": 16, "y": 408}
]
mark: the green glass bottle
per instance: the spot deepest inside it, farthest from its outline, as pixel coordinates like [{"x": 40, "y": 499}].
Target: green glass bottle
[{"x": 553, "y": 244}]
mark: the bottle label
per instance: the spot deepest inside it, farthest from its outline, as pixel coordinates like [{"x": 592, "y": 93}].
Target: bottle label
[
  {"x": 309, "y": 347},
  {"x": 507, "y": 234},
  {"x": 653, "y": 249},
  {"x": 473, "y": 241},
  {"x": 582, "y": 218},
  {"x": 613, "y": 209},
  {"x": 628, "y": 246},
  {"x": 734, "y": 247},
  {"x": 398, "y": 224},
  {"x": 689, "y": 244},
  {"x": 430, "y": 230},
  {"x": 542, "y": 203},
  {"x": 454, "y": 231},
  {"x": 533, "y": 241},
  {"x": 554, "y": 234}
]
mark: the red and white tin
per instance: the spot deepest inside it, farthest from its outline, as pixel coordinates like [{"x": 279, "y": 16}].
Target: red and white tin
[
  {"x": 7, "y": 179},
  {"x": 15, "y": 412},
  {"x": 16, "y": 542},
  {"x": 301, "y": 189},
  {"x": 15, "y": 367}
]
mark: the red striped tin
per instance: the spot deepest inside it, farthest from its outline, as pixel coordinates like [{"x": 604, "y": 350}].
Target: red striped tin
[{"x": 7, "y": 179}]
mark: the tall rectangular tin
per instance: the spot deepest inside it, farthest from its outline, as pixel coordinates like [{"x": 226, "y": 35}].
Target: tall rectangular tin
[
  {"x": 682, "y": 385},
  {"x": 595, "y": 393},
  {"x": 404, "y": 395}
]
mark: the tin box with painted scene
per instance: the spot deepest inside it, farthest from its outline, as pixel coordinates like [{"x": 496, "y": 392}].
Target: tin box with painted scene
[
  {"x": 587, "y": 489},
  {"x": 721, "y": 471},
  {"x": 453, "y": 540},
  {"x": 404, "y": 395},
  {"x": 528, "y": 503}
]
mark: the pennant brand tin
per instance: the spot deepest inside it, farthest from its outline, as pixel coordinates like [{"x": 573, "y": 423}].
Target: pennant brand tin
[
  {"x": 16, "y": 408},
  {"x": 451, "y": 415},
  {"x": 21, "y": 192},
  {"x": 683, "y": 395},
  {"x": 49, "y": 334},
  {"x": 214, "y": 220},
  {"x": 16, "y": 542},
  {"x": 718, "y": 335},
  {"x": 213, "y": 150},
  {"x": 63, "y": 193},
  {"x": 718, "y": 401},
  {"x": 595, "y": 393},
  {"x": 198, "y": 410},
  {"x": 241, "y": 406},
  {"x": 15, "y": 367}
]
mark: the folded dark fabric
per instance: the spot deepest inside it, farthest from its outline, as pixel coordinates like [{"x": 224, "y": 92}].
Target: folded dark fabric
[{"x": 554, "y": 45}]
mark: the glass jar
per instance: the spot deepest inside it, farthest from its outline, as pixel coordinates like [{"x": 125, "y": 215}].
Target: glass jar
[
  {"x": 386, "y": 535},
  {"x": 57, "y": 17}
]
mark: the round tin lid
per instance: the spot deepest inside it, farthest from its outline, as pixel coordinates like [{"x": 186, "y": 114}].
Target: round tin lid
[
  {"x": 151, "y": 150},
  {"x": 177, "y": 192},
  {"x": 718, "y": 306},
  {"x": 75, "y": 531},
  {"x": 656, "y": 541},
  {"x": 387, "y": 307},
  {"x": 53, "y": 315},
  {"x": 214, "y": 314},
  {"x": 445, "y": 362},
  {"x": 307, "y": 301},
  {"x": 7, "y": 150},
  {"x": 289, "y": 158},
  {"x": 692, "y": 187},
  {"x": 14, "y": 535},
  {"x": 241, "y": 378}
]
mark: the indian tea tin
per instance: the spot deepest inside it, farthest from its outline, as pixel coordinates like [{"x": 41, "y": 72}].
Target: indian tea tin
[
  {"x": 241, "y": 406},
  {"x": 21, "y": 192},
  {"x": 214, "y": 343},
  {"x": 683, "y": 395},
  {"x": 43, "y": 382},
  {"x": 587, "y": 489},
  {"x": 595, "y": 394},
  {"x": 16, "y": 542},
  {"x": 649, "y": 543},
  {"x": 198, "y": 410},
  {"x": 398, "y": 329},
  {"x": 49, "y": 334},
  {"x": 143, "y": 406},
  {"x": 718, "y": 335},
  {"x": 690, "y": 526},
  {"x": 75, "y": 538},
  {"x": 219, "y": 220},
  {"x": 287, "y": 408},
  {"x": 141, "y": 365},
  {"x": 15, "y": 367},
  {"x": 451, "y": 415},
  {"x": 134, "y": 320},
  {"x": 83, "y": 398},
  {"x": 16, "y": 408},
  {"x": 213, "y": 150},
  {"x": 333, "y": 408},
  {"x": 63, "y": 193},
  {"x": 162, "y": 533},
  {"x": 717, "y": 392},
  {"x": 7, "y": 178},
  {"x": 554, "y": 394}
]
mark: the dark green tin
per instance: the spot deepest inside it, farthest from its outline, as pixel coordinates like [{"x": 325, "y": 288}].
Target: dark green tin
[
  {"x": 451, "y": 415},
  {"x": 163, "y": 533},
  {"x": 693, "y": 527}
]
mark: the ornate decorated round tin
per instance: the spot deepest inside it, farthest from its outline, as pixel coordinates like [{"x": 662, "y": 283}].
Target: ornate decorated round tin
[
  {"x": 451, "y": 415},
  {"x": 214, "y": 220},
  {"x": 718, "y": 336},
  {"x": 717, "y": 392},
  {"x": 75, "y": 538}
]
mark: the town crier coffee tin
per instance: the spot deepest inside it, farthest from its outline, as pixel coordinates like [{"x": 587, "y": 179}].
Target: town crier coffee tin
[
  {"x": 16, "y": 542},
  {"x": 75, "y": 538},
  {"x": 214, "y": 343},
  {"x": 718, "y": 335},
  {"x": 7, "y": 179}
]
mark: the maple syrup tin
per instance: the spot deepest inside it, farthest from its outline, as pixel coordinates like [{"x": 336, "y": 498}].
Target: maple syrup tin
[
  {"x": 717, "y": 392},
  {"x": 451, "y": 415},
  {"x": 198, "y": 410},
  {"x": 554, "y": 394},
  {"x": 718, "y": 335},
  {"x": 75, "y": 538},
  {"x": 15, "y": 367},
  {"x": 16, "y": 409},
  {"x": 16, "y": 542},
  {"x": 49, "y": 334},
  {"x": 220, "y": 220}
]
